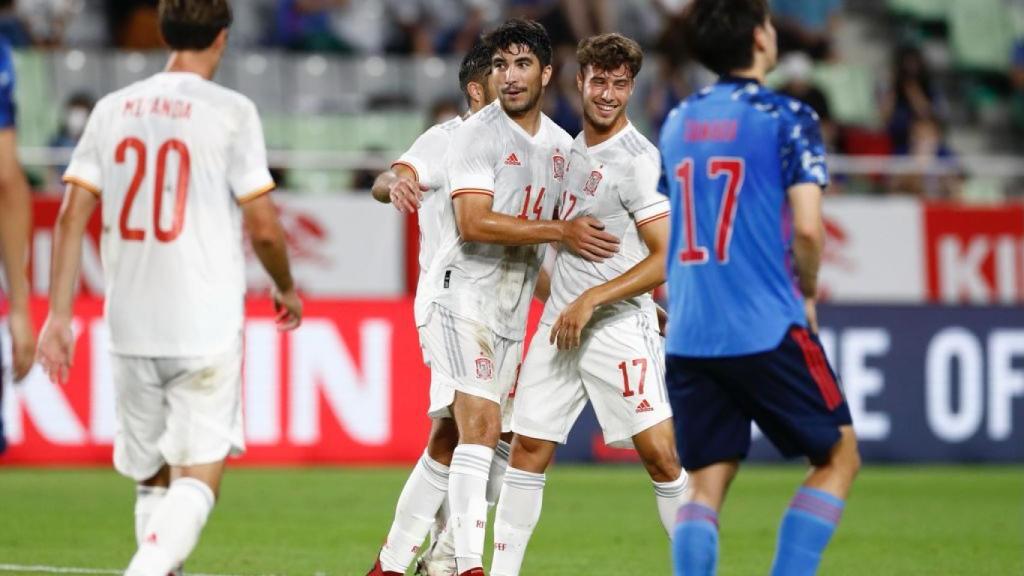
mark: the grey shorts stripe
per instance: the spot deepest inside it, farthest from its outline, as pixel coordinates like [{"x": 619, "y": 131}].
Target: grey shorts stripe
[{"x": 451, "y": 343}]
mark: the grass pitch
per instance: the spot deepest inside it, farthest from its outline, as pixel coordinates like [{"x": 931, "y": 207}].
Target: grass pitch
[{"x": 596, "y": 521}]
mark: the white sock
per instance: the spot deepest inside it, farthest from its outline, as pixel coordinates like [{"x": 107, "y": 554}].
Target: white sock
[
  {"x": 444, "y": 538},
  {"x": 423, "y": 494},
  {"x": 147, "y": 498},
  {"x": 671, "y": 496},
  {"x": 497, "y": 474},
  {"x": 173, "y": 529},
  {"x": 467, "y": 496},
  {"x": 517, "y": 516}
]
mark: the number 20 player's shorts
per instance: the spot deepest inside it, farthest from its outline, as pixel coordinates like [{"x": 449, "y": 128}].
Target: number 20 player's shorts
[
  {"x": 618, "y": 367},
  {"x": 179, "y": 411},
  {"x": 467, "y": 357},
  {"x": 790, "y": 392}
]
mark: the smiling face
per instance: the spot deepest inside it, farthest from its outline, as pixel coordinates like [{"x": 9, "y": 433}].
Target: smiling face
[
  {"x": 605, "y": 96},
  {"x": 520, "y": 79}
]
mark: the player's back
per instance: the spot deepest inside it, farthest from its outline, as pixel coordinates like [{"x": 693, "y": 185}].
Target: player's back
[
  {"x": 730, "y": 153},
  {"x": 166, "y": 155},
  {"x": 427, "y": 158}
]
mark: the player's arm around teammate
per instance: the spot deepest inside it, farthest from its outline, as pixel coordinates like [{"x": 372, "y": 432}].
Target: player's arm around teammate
[{"x": 613, "y": 175}]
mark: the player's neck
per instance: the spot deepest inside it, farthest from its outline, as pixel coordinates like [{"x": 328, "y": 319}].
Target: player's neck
[
  {"x": 528, "y": 120},
  {"x": 194, "y": 62},
  {"x": 755, "y": 72},
  {"x": 594, "y": 135}
]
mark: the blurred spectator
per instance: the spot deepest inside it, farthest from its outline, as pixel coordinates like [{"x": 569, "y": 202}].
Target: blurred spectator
[
  {"x": 567, "y": 21},
  {"x": 930, "y": 156},
  {"x": 133, "y": 24},
  {"x": 76, "y": 114},
  {"x": 443, "y": 111},
  {"x": 913, "y": 96},
  {"x": 362, "y": 178},
  {"x": 306, "y": 25},
  {"x": 12, "y": 28},
  {"x": 1017, "y": 81},
  {"x": 806, "y": 25},
  {"x": 796, "y": 70},
  {"x": 433, "y": 26},
  {"x": 562, "y": 96},
  {"x": 48, "y": 20}
]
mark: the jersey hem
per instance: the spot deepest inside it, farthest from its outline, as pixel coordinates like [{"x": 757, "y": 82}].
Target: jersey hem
[
  {"x": 415, "y": 172},
  {"x": 257, "y": 193},
  {"x": 82, "y": 183},
  {"x": 647, "y": 221},
  {"x": 463, "y": 191}
]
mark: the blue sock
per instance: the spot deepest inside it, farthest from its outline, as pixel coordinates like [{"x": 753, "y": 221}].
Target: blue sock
[
  {"x": 806, "y": 528},
  {"x": 695, "y": 542}
]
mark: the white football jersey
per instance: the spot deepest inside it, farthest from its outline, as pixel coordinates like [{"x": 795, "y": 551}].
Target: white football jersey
[
  {"x": 171, "y": 158},
  {"x": 491, "y": 154},
  {"x": 617, "y": 183},
  {"x": 427, "y": 158}
]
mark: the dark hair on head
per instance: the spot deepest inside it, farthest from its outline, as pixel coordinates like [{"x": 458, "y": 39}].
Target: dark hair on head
[
  {"x": 521, "y": 32},
  {"x": 193, "y": 24},
  {"x": 610, "y": 51},
  {"x": 475, "y": 66},
  {"x": 720, "y": 33}
]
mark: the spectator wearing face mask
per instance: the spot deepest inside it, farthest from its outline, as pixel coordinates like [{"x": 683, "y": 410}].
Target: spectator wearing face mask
[{"x": 76, "y": 114}]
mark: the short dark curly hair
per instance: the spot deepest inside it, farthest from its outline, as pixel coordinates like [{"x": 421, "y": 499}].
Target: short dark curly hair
[
  {"x": 193, "y": 24},
  {"x": 476, "y": 66},
  {"x": 720, "y": 33},
  {"x": 521, "y": 32},
  {"x": 608, "y": 52}
]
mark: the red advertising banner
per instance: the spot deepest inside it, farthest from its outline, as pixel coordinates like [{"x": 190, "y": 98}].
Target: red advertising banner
[
  {"x": 975, "y": 255},
  {"x": 349, "y": 386}
]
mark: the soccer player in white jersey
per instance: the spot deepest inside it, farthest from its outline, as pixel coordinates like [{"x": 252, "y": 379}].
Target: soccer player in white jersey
[
  {"x": 502, "y": 163},
  {"x": 598, "y": 338},
  {"x": 418, "y": 182},
  {"x": 178, "y": 164}
]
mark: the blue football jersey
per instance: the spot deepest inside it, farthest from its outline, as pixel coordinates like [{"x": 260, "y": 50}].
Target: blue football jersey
[
  {"x": 7, "y": 108},
  {"x": 729, "y": 154}
]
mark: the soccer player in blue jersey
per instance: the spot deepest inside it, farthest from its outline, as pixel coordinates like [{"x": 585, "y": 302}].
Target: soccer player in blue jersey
[
  {"x": 15, "y": 222},
  {"x": 745, "y": 170}
]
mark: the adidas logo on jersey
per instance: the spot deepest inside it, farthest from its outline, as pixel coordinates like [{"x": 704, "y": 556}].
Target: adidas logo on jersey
[
  {"x": 513, "y": 160},
  {"x": 644, "y": 406}
]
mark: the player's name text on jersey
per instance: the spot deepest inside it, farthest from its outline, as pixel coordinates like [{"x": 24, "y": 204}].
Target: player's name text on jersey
[
  {"x": 711, "y": 131},
  {"x": 166, "y": 107}
]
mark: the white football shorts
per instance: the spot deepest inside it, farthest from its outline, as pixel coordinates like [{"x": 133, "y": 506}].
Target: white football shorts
[
  {"x": 467, "y": 357},
  {"x": 178, "y": 411},
  {"x": 619, "y": 367}
]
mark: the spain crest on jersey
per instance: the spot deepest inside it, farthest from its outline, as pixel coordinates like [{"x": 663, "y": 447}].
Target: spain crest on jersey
[
  {"x": 558, "y": 165},
  {"x": 484, "y": 369},
  {"x": 590, "y": 188}
]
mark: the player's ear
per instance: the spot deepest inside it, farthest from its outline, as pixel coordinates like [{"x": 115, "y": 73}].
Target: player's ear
[
  {"x": 476, "y": 91},
  {"x": 579, "y": 81},
  {"x": 545, "y": 76},
  {"x": 761, "y": 38},
  {"x": 222, "y": 40}
]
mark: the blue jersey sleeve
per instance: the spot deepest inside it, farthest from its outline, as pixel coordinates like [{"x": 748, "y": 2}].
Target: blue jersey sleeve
[
  {"x": 803, "y": 150},
  {"x": 7, "y": 108}
]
